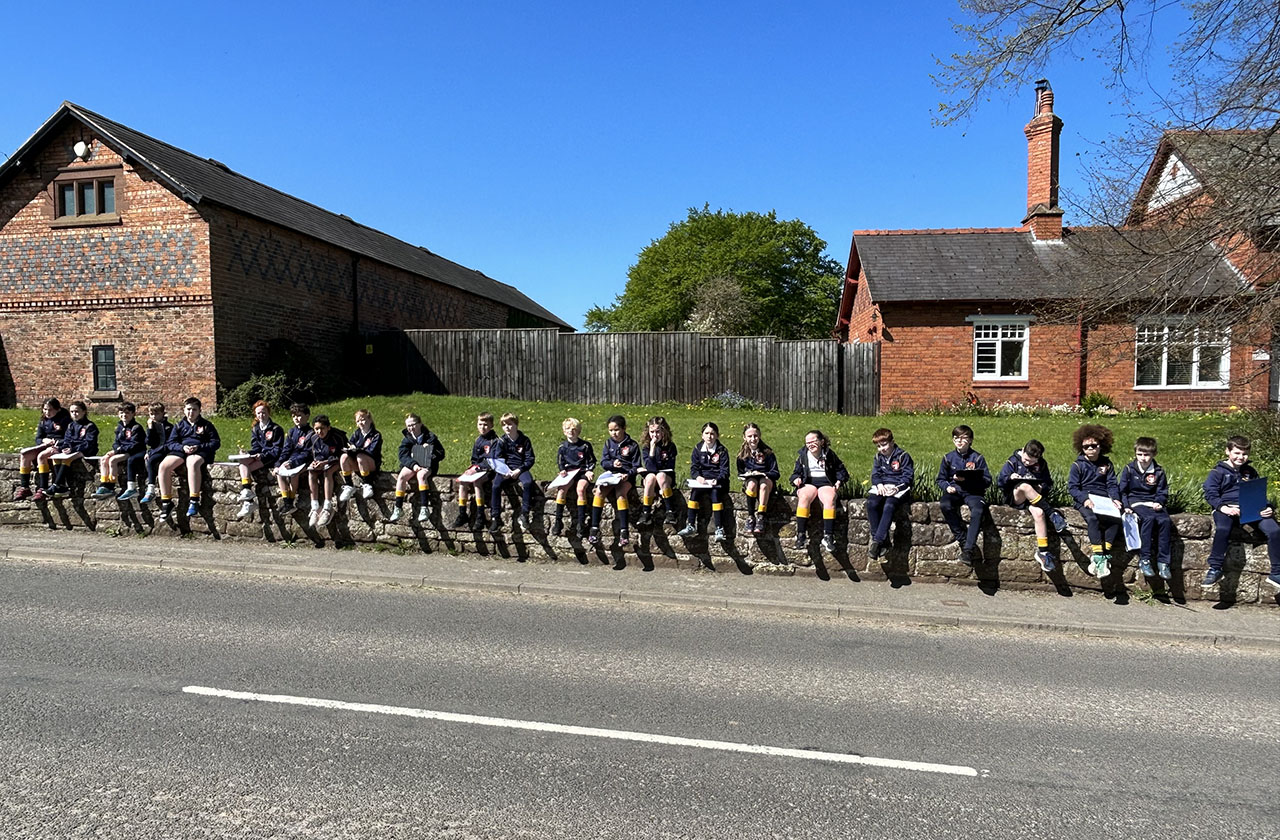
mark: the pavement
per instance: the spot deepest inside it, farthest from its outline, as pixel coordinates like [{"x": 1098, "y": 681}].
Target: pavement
[{"x": 1082, "y": 613}]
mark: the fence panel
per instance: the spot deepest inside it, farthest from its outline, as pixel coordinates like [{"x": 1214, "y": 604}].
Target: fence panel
[{"x": 643, "y": 368}]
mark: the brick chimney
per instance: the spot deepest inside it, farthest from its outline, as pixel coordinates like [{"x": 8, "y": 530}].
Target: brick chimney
[{"x": 1044, "y": 216}]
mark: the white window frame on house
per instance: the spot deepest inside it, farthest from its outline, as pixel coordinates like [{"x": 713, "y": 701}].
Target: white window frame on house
[
  {"x": 1186, "y": 351},
  {"x": 993, "y": 338}
]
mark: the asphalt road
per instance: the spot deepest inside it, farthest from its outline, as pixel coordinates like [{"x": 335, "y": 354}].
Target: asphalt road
[{"x": 1043, "y": 737}]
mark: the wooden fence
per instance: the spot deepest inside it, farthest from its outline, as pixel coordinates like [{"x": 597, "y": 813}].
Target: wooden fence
[{"x": 639, "y": 368}]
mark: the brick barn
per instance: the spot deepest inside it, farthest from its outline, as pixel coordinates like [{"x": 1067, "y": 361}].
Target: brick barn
[
  {"x": 957, "y": 313},
  {"x": 133, "y": 269}
]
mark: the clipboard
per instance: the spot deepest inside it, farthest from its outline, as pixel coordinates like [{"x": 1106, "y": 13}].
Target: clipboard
[
  {"x": 1103, "y": 506},
  {"x": 1253, "y": 499},
  {"x": 39, "y": 447},
  {"x": 422, "y": 455}
]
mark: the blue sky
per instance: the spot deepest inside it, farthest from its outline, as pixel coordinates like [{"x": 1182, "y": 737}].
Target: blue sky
[{"x": 547, "y": 144}]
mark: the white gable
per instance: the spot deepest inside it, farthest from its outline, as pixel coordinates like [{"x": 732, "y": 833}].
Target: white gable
[{"x": 1176, "y": 181}]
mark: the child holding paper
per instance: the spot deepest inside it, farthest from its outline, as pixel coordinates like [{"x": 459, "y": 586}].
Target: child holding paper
[
  {"x": 577, "y": 462},
  {"x": 892, "y": 472},
  {"x": 1222, "y": 492},
  {"x": 1144, "y": 489},
  {"x": 1092, "y": 483},
  {"x": 621, "y": 458}
]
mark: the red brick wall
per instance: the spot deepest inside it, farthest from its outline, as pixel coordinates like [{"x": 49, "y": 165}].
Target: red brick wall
[
  {"x": 141, "y": 285},
  {"x": 864, "y": 317},
  {"x": 270, "y": 282},
  {"x": 1111, "y": 372},
  {"x": 926, "y": 358}
]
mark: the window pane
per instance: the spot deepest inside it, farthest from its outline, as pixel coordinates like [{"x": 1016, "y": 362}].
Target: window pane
[
  {"x": 88, "y": 200},
  {"x": 985, "y": 358},
  {"x": 104, "y": 368},
  {"x": 1210, "y": 368},
  {"x": 1011, "y": 358},
  {"x": 1149, "y": 365},
  {"x": 67, "y": 200},
  {"x": 107, "y": 189},
  {"x": 1180, "y": 365}
]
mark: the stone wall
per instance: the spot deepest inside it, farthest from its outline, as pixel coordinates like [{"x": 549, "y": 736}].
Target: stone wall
[{"x": 921, "y": 548}]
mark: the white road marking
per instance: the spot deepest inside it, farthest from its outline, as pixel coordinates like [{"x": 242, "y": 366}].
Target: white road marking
[{"x": 588, "y": 731}]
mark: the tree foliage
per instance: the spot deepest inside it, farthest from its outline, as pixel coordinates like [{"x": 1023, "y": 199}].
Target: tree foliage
[
  {"x": 729, "y": 273},
  {"x": 1215, "y": 81}
]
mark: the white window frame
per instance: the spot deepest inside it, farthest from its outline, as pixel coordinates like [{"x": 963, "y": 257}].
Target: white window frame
[
  {"x": 1000, "y": 330},
  {"x": 1199, "y": 339}
]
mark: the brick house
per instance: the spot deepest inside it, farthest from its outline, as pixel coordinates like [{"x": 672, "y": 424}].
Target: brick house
[
  {"x": 959, "y": 314},
  {"x": 132, "y": 268}
]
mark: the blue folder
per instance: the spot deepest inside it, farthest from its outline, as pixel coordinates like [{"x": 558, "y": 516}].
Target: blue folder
[{"x": 1253, "y": 499}]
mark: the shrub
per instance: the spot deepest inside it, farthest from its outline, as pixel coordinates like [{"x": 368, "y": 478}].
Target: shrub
[
  {"x": 278, "y": 389},
  {"x": 729, "y": 399},
  {"x": 1097, "y": 403}
]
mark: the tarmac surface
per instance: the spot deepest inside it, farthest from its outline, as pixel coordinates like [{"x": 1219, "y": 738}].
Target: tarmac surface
[{"x": 966, "y": 606}]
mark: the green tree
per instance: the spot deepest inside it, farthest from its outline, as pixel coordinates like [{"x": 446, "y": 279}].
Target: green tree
[{"x": 785, "y": 285}]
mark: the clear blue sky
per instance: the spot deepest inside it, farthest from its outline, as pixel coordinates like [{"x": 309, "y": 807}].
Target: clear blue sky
[{"x": 545, "y": 144}]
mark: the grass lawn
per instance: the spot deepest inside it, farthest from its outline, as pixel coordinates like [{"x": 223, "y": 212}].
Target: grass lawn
[{"x": 1190, "y": 444}]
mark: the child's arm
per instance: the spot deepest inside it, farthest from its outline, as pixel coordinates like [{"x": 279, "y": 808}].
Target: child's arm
[
  {"x": 1075, "y": 484},
  {"x": 208, "y": 449}
]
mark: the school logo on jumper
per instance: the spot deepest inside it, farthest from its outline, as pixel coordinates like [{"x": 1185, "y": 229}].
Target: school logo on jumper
[
  {"x": 626, "y": 450},
  {"x": 82, "y": 432},
  {"x": 893, "y": 465},
  {"x": 1102, "y": 468},
  {"x": 269, "y": 434},
  {"x": 199, "y": 430},
  {"x": 970, "y": 465},
  {"x": 1151, "y": 478}
]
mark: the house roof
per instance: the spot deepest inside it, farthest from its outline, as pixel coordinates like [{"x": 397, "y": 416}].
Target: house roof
[
  {"x": 1008, "y": 264},
  {"x": 1240, "y": 166},
  {"x": 198, "y": 180}
]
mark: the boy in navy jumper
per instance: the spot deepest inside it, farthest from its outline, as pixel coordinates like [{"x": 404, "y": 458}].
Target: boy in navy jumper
[
  {"x": 1025, "y": 482},
  {"x": 621, "y": 456},
  {"x": 194, "y": 442},
  {"x": 412, "y": 470},
  {"x": 1144, "y": 490},
  {"x": 516, "y": 451},
  {"x": 54, "y": 420},
  {"x": 295, "y": 452},
  {"x": 266, "y": 443},
  {"x": 124, "y": 458},
  {"x": 472, "y": 492},
  {"x": 1092, "y": 473},
  {"x": 327, "y": 444},
  {"x": 575, "y": 455},
  {"x": 159, "y": 428},
  {"x": 80, "y": 441},
  {"x": 892, "y": 472},
  {"x": 1222, "y": 492},
  {"x": 963, "y": 478}
]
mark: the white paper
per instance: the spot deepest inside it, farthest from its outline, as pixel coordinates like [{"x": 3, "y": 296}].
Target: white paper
[
  {"x": 473, "y": 477},
  {"x": 1102, "y": 506},
  {"x": 287, "y": 470},
  {"x": 701, "y": 484},
  {"x": 500, "y": 467},
  {"x": 564, "y": 480},
  {"x": 608, "y": 479}
]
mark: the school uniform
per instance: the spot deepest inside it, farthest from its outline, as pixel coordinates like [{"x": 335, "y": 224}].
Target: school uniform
[
  {"x": 368, "y": 444},
  {"x": 79, "y": 437},
  {"x": 710, "y": 466},
  {"x": 576, "y": 456},
  {"x": 131, "y": 440},
  {"x": 1015, "y": 472},
  {"x": 54, "y": 428},
  {"x": 896, "y": 468},
  {"x": 483, "y": 446},
  {"x": 157, "y": 446},
  {"x": 267, "y": 443},
  {"x": 969, "y": 490},
  {"x": 517, "y": 454},
  {"x": 826, "y": 470},
  {"x": 621, "y": 456},
  {"x": 427, "y": 439},
  {"x": 201, "y": 434},
  {"x": 1098, "y": 478},
  {"x": 1222, "y": 487},
  {"x": 663, "y": 458},
  {"x": 297, "y": 446},
  {"x": 766, "y": 462},
  {"x": 1139, "y": 490},
  {"x": 329, "y": 447}
]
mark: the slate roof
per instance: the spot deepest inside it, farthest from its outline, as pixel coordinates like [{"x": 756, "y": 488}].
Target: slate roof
[
  {"x": 198, "y": 180},
  {"x": 1010, "y": 265},
  {"x": 1241, "y": 167}
]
